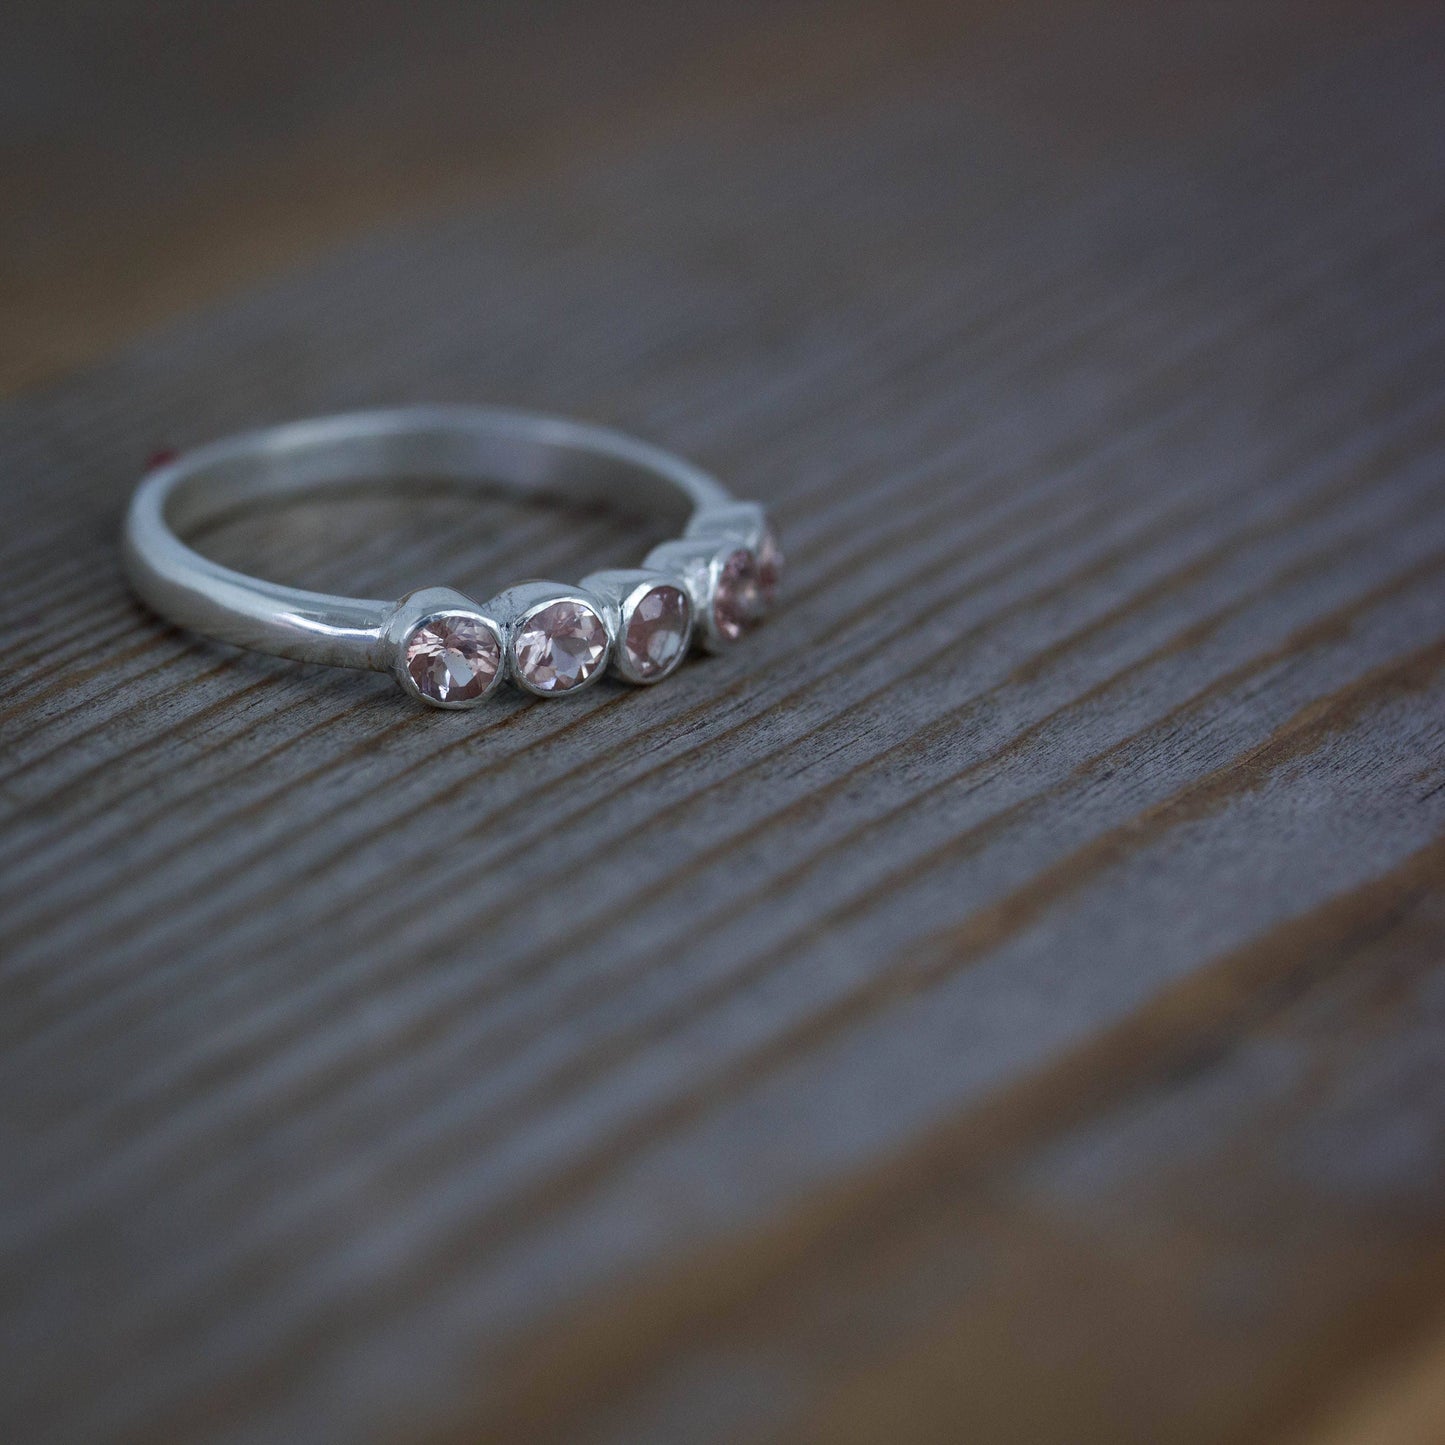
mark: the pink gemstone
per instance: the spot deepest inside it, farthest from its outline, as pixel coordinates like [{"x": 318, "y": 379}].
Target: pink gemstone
[
  {"x": 560, "y": 646},
  {"x": 453, "y": 658},
  {"x": 656, "y": 633},
  {"x": 737, "y": 600},
  {"x": 770, "y": 567}
]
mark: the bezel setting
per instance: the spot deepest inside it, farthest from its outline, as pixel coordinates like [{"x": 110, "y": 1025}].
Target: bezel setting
[
  {"x": 702, "y": 563},
  {"x": 720, "y": 543},
  {"x": 422, "y": 608},
  {"x": 623, "y": 590},
  {"x": 519, "y": 606}
]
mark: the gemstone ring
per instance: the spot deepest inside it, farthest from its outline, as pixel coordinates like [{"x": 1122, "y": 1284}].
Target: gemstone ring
[{"x": 707, "y": 588}]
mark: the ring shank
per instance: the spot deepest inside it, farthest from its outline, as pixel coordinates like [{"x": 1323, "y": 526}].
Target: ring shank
[{"x": 518, "y": 452}]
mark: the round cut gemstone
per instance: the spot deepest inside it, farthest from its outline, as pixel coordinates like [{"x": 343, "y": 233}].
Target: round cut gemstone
[
  {"x": 737, "y": 600},
  {"x": 560, "y": 646},
  {"x": 453, "y": 657},
  {"x": 656, "y": 633},
  {"x": 770, "y": 567}
]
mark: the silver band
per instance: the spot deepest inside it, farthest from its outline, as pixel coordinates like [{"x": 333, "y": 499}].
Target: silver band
[{"x": 725, "y": 562}]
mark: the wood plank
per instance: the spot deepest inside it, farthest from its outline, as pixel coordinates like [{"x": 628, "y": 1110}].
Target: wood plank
[
  {"x": 1173, "y": 1162},
  {"x": 235, "y": 145},
  {"x": 239, "y": 144},
  {"x": 1400, "y": 1405},
  {"x": 1002, "y": 1000}
]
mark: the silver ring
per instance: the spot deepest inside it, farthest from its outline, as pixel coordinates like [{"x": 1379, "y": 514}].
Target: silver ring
[{"x": 707, "y": 588}]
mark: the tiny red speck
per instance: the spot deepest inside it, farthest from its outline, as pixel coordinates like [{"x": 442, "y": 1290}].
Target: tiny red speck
[{"x": 161, "y": 457}]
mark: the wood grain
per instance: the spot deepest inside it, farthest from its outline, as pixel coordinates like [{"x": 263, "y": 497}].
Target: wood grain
[{"x": 1003, "y": 1002}]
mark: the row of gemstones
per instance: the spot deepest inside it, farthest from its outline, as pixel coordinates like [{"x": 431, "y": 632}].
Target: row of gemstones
[{"x": 454, "y": 659}]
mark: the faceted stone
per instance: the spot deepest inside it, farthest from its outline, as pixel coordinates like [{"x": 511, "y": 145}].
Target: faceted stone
[
  {"x": 737, "y": 600},
  {"x": 656, "y": 633},
  {"x": 560, "y": 646},
  {"x": 770, "y": 567},
  {"x": 452, "y": 658}
]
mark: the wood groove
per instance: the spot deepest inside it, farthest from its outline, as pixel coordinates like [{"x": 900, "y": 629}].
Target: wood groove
[
  {"x": 1191, "y": 1027},
  {"x": 1002, "y": 1003},
  {"x": 844, "y": 776},
  {"x": 1008, "y": 917},
  {"x": 525, "y": 967},
  {"x": 1006, "y": 910},
  {"x": 527, "y": 1210},
  {"x": 486, "y": 823},
  {"x": 697, "y": 710}
]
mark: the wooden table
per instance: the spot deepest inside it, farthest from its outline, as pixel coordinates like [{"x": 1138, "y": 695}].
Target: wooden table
[{"x": 1002, "y": 1002}]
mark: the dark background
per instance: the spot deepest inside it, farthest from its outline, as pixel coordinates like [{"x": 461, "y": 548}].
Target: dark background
[{"x": 1003, "y": 1002}]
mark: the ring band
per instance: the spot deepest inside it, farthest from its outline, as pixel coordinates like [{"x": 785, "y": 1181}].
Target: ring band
[{"x": 708, "y": 587}]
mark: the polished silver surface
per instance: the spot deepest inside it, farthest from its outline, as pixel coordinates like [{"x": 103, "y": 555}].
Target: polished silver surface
[
  {"x": 517, "y": 452},
  {"x": 623, "y": 591}
]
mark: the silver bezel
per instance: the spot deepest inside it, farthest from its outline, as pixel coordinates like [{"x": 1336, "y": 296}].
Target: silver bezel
[
  {"x": 517, "y": 605},
  {"x": 744, "y": 522},
  {"x": 698, "y": 563},
  {"x": 420, "y": 607},
  {"x": 621, "y": 589}
]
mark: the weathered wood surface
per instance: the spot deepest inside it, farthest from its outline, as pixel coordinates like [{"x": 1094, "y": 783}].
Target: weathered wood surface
[{"x": 1004, "y": 1001}]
